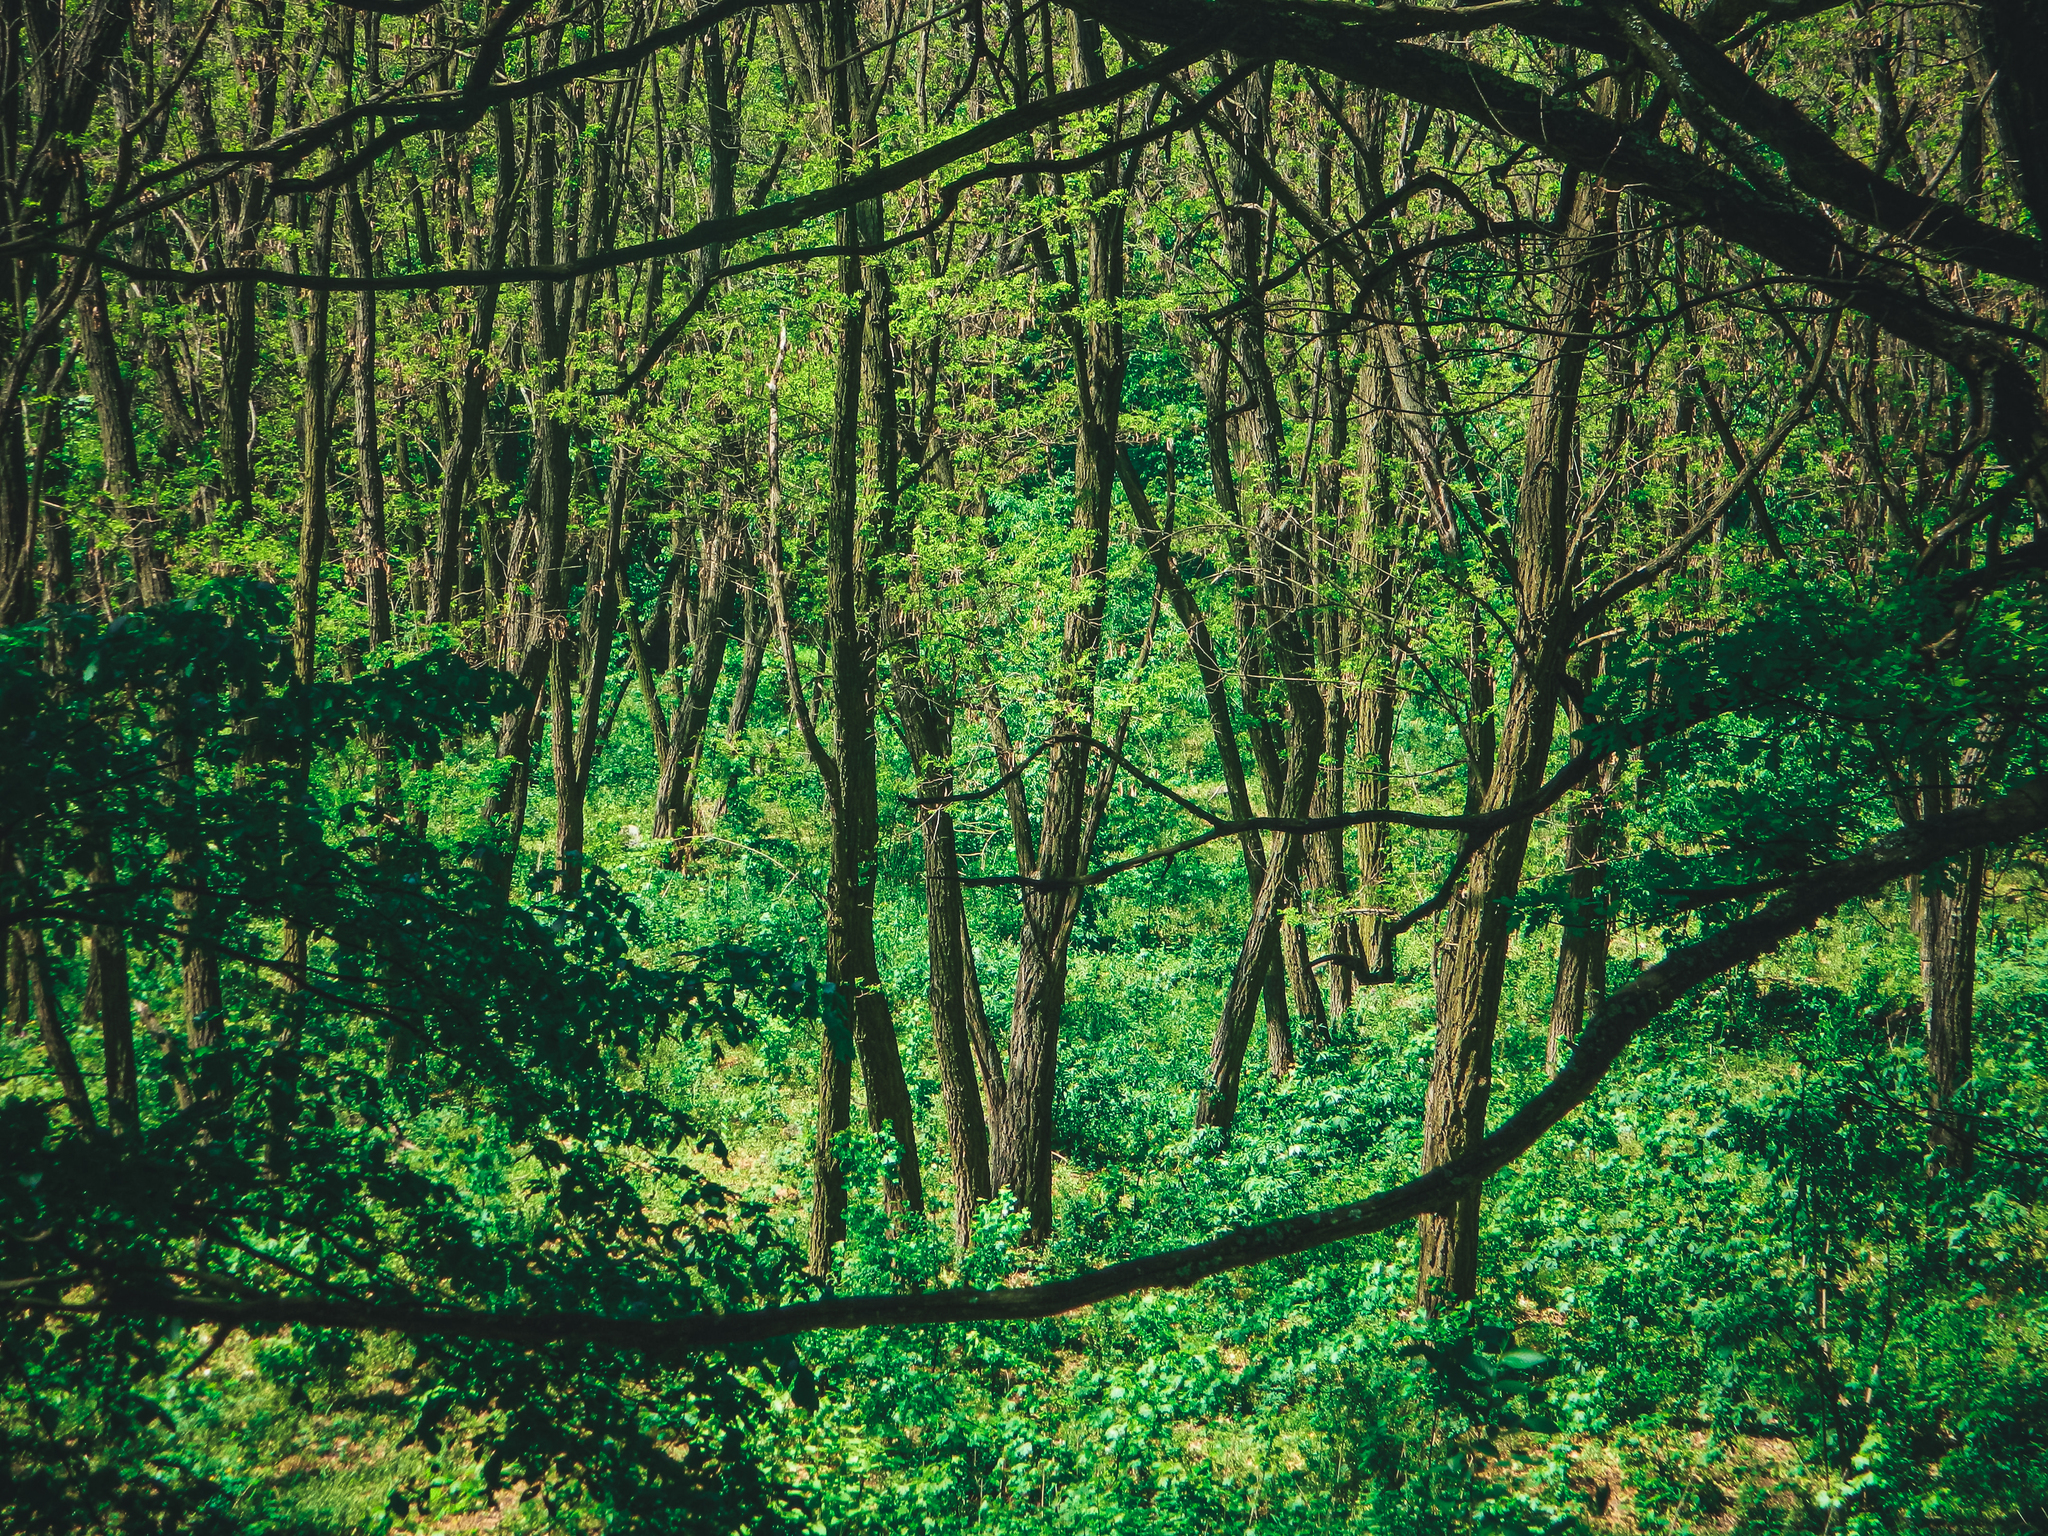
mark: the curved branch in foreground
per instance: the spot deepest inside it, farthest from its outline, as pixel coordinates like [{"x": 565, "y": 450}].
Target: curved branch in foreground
[{"x": 1808, "y": 900}]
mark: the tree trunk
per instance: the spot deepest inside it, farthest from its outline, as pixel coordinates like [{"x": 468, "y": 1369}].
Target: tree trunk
[
  {"x": 374, "y": 546},
  {"x": 113, "y": 401},
  {"x": 710, "y": 629},
  {"x": 575, "y": 738},
  {"x": 1024, "y": 1125},
  {"x": 50, "y": 1022},
  {"x": 108, "y": 996},
  {"x": 315, "y": 455},
  {"x": 448, "y": 557},
  {"x": 852, "y": 624},
  {"x": 954, "y": 991},
  {"x": 1946, "y": 904},
  {"x": 1473, "y": 949},
  {"x": 1379, "y": 670},
  {"x": 1582, "y": 949}
]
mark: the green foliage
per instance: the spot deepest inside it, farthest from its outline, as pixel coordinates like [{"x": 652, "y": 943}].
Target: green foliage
[
  {"x": 475, "y": 1120},
  {"x": 1731, "y": 1295}
]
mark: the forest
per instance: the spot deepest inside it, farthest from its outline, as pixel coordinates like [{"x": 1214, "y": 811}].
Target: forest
[{"x": 1170, "y": 766}]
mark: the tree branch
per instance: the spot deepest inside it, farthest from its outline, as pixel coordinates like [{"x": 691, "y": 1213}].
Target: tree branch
[{"x": 1607, "y": 1034}]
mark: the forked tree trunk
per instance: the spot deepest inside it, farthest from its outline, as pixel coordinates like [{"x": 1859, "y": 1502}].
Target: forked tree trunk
[
  {"x": 1023, "y": 1157},
  {"x": 1473, "y": 949},
  {"x": 954, "y": 990},
  {"x": 710, "y": 629}
]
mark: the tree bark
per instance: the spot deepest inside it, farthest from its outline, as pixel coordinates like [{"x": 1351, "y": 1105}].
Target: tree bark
[
  {"x": 113, "y": 402},
  {"x": 108, "y": 996},
  {"x": 50, "y": 1022},
  {"x": 954, "y": 991},
  {"x": 456, "y": 475},
  {"x": 1379, "y": 672},
  {"x": 852, "y": 968},
  {"x": 1582, "y": 948},
  {"x": 710, "y": 629},
  {"x": 315, "y": 455},
  {"x": 375, "y": 551},
  {"x": 1024, "y": 1127},
  {"x": 1473, "y": 950}
]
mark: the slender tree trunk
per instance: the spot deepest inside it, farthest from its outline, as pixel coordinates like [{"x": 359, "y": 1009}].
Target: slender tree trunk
[
  {"x": 854, "y": 610},
  {"x": 1473, "y": 949},
  {"x": 1379, "y": 668},
  {"x": 852, "y": 624},
  {"x": 374, "y": 551},
  {"x": 1276, "y": 638},
  {"x": 575, "y": 738},
  {"x": 456, "y": 474},
  {"x": 18, "y": 1005},
  {"x": 113, "y": 401},
  {"x": 1582, "y": 950},
  {"x": 1025, "y": 1128},
  {"x": 185, "y": 864},
  {"x": 315, "y": 453},
  {"x": 56, "y": 1043},
  {"x": 954, "y": 991},
  {"x": 108, "y": 996},
  {"x": 710, "y": 628}
]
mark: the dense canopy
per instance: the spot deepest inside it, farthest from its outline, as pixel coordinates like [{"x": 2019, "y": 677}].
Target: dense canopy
[{"x": 1154, "y": 764}]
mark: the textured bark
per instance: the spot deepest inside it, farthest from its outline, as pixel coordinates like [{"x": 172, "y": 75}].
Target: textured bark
[
  {"x": 723, "y": 540},
  {"x": 1270, "y": 982},
  {"x": 835, "y": 1114},
  {"x": 114, "y": 404},
  {"x": 1947, "y": 906},
  {"x": 373, "y": 545},
  {"x": 474, "y": 373},
  {"x": 1024, "y": 1133},
  {"x": 1333, "y": 542},
  {"x": 50, "y": 1022},
  {"x": 199, "y": 966},
  {"x": 551, "y": 239},
  {"x": 753, "y": 651},
  {"x": 1263, "y": 979},
  {"x": 315, "y": 456},
  {"x": 954, "y": 991},
  {"x": 2006, "y": 49},
  {"x": 536, "y": 625},
  {"x": 1473, "y": 950},
  {"x": 496, "y": 849},
  {"x": 710, "y": 629},
  {"x": 18, "y": 1005},
  {"x": 574, "y": 737},
  {"x": 1276, "y": 640},
  {"x": 1309, "y": 1006},
  {"x": 852, "y": 631},
  {"x": 1218, "y": 1104},
  {"x": 1582, "y": 948},
  {"x": 108, "y": 1000},
  {"x": 1378, "y": 673}
]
